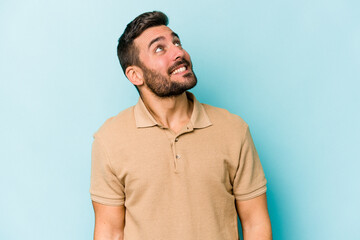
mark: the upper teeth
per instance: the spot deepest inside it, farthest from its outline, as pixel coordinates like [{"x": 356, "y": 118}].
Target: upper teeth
[{"x": 179, "y": 70}]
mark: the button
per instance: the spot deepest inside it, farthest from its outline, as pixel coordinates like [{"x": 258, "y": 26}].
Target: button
[
  {"x": 177, "y": 156},
  {"x": 176, "y": 139}
]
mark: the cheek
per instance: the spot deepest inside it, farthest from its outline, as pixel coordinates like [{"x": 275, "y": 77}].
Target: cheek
[
  {"x": 161, "y": 65},
  {"x": 158, "y": 64}
]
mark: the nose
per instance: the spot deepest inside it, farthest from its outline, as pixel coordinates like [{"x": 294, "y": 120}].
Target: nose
[{"x": 177, "y": 52}]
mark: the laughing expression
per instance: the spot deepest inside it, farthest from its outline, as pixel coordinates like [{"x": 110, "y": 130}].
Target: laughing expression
[{"x": 166, "y": 66}]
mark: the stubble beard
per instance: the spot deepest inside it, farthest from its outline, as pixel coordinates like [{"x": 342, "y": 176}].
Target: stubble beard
[{"x": 164, "y": 87}]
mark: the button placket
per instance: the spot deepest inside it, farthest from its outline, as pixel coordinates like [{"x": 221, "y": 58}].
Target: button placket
[{"x": 177, "y": 156}]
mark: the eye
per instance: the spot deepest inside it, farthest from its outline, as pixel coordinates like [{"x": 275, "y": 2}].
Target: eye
[
  {"x": 177, "y": 43},
  {"x": 159, "y": 49}
]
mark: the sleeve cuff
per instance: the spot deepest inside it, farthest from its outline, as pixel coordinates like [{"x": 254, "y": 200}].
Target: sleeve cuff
[
  {"x": 250, "y": 195},
  {"x": 107, "y": 201}
]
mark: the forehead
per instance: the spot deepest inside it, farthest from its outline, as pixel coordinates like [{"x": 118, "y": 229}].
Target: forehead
[{"x": 151, "y": 33}]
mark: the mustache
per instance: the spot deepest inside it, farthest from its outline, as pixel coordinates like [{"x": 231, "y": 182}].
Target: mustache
[{"x": 182, "y": 61}]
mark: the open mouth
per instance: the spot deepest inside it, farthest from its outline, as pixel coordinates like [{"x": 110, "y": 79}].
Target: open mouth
[
  {"x": 178, "y": 70},
  {"x": 179, "y": 67}
]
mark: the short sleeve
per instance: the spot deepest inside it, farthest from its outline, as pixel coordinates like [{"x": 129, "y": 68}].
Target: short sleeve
[
  {"x": 249, "y": 181},
  {"x": 105, "y": 187}
]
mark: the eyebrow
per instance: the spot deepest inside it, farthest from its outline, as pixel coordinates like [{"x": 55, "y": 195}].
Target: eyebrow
[
  {"x": 162, "y": 38},
  {"x": 175, "y": 35}
]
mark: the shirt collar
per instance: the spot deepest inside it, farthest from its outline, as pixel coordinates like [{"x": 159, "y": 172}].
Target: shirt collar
[{"x": 199, "y": 117}]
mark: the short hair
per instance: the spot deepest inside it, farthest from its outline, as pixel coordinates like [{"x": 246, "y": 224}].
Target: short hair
[{"x": 127, "y": 52}]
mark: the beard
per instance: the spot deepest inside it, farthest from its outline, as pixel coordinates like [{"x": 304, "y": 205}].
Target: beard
[{"x": 162, "y": 86}]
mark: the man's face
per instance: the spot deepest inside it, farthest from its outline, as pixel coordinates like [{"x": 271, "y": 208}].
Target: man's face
[{"x": 166, "y": 65}]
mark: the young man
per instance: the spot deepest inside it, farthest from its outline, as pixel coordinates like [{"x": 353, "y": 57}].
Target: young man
[{"x": 170, "y": 167}]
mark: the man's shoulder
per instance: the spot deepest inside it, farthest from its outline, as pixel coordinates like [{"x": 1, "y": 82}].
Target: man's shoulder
[
  {"x": 118, "y": 124},
  {"x": 222, "y": 117}
]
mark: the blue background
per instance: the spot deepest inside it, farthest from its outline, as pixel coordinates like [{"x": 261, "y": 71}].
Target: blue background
[{"x": 291, "y": 69}]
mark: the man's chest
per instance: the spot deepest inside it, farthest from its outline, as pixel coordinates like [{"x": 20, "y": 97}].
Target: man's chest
[{"x": 190, "y": 163}]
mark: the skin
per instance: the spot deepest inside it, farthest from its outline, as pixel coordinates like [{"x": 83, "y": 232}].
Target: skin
[
  {"x": 109, "y": 222},
  {"x": 254, "y": 218},
  {"x": 175, "y": 111},
  {"x": 160, "y": 52}
]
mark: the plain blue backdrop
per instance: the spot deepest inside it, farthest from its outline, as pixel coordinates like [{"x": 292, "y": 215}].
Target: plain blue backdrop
[{"x": 290, "y": 69}]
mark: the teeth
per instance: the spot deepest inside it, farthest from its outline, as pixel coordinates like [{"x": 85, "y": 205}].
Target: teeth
[{"x": 179, "y": 70}]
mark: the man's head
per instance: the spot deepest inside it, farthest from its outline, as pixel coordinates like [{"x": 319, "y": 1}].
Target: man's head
[{"x": 152, "y": 57}]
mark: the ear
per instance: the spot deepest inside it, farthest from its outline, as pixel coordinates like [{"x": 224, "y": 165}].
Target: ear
[{"x": 135, "y": 75}]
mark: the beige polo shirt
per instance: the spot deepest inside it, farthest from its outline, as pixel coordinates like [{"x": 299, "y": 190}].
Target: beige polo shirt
[{"x": 176, "y": 186}]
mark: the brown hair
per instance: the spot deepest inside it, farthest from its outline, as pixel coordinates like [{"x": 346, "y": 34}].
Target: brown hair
[{"x": 127, "y": 52}]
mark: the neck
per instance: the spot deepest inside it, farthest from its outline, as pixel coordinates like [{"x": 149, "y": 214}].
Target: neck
[{"x": 172, "y": 112}]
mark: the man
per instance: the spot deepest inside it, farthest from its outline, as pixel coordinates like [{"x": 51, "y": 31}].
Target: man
[{"x": 170, "y": 167}]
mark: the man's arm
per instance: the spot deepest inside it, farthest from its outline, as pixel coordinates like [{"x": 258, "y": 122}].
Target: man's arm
[
  {"x": 109, "y": 222},
  {"x": 254, "y": 218}
]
